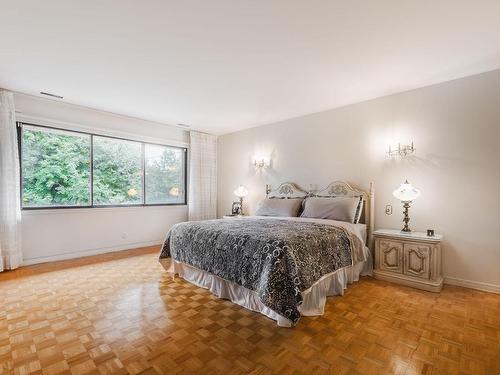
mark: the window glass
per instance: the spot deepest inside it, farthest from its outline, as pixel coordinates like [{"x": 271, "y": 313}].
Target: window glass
[
  {"x": 55, "y": 167},
  {"x": 117, "y": 171},
  {"x": 164, "y": 174}
]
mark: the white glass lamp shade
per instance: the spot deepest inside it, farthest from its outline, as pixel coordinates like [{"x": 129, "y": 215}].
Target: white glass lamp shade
[
  {"x": 241, "y": 191},
  {"x": 406, "y": 192}
]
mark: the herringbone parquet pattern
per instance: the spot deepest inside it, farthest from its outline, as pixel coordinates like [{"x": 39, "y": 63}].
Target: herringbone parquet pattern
[{"x": 121, "y": 314}]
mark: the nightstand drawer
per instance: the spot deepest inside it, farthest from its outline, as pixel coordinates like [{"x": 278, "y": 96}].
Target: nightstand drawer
[
  {"x": 417, "y": 259},
  {"x": 390, "y": 255}
]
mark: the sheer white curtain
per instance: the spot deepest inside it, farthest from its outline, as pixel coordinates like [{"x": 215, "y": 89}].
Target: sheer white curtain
[
  {"x": 202, "y": 176},
  {"x": 10, "y": 210}
]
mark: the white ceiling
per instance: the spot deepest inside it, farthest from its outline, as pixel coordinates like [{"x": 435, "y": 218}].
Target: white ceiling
[{"x": 225, "y": 65}]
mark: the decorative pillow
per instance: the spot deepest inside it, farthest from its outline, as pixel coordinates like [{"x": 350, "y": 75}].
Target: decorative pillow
[
  {"x": 336, "y": 208},
  {"x": 279, "y": 207}
]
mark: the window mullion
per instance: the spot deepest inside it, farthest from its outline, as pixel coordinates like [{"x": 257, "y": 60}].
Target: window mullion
[
  {"x": 20, "y": 156},
  {"x": 143, "y": 149},
  {"x": 91, "y": 170}
]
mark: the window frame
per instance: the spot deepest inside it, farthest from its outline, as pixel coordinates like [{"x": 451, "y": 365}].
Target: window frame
[{"x": 143, "y": 144}]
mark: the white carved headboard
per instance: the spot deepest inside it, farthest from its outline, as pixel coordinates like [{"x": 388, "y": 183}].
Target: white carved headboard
[{"x": 287, "y": 190}]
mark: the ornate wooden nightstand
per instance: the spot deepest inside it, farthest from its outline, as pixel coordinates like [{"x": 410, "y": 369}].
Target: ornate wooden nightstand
[{"x": 412, "y": 259}]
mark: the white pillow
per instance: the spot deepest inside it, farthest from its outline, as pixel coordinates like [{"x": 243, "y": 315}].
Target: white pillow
[
  {"x": 278, "y": 207},
  {"x": 336, "y": 208}
]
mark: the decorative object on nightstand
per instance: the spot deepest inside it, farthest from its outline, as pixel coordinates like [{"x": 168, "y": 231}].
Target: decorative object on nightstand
[
  {"x": 406, "y": 193},
  {"x": 412, "y": 259},
  {"x": 236, "y": 208},
  {"x": 241, "y": 192}
]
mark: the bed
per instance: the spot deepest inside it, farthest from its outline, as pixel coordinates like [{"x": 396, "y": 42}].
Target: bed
[{"x": 282, "y": 267}]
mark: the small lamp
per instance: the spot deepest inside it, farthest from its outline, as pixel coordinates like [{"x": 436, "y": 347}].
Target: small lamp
[
  {"x": 241, "y": 192},
  {"x": 406, "y": 193}
]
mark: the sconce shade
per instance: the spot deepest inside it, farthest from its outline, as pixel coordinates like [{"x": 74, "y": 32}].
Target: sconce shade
[
  {"x": 241, "y": 191},
  {"x": 406, "y": 192}
]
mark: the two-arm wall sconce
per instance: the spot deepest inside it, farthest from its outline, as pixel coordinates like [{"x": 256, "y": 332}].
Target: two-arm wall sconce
[
  {"x": 402, "y": 150},
  {"x": 261, "y": 162}
]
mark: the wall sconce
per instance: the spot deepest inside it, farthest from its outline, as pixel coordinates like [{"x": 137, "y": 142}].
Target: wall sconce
[
  {"x": 402, "y": 150},
  {"x": 261, "y": 162}
]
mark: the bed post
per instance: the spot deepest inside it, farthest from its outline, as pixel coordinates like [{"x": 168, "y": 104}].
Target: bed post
[{"x": 371, "y": 225}]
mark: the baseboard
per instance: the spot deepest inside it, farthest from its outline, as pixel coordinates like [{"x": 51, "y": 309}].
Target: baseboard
[
  {"x": 89, "y": 252},
  {"x": 485, "y": 287},
  {"x": 414, "y": 282}
]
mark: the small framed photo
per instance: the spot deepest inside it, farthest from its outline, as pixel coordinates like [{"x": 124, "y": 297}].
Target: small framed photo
[{"x": 236, "y": 208}]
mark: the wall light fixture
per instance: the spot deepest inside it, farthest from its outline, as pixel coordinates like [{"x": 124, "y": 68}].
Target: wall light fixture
[
  {"x": 401, "y": 150},
  {"x": 261, "y": 162}
]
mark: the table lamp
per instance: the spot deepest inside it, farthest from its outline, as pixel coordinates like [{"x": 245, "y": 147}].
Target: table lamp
[
  {"x": 241, "y": 192},
  {"x": 406, "y": 193}
]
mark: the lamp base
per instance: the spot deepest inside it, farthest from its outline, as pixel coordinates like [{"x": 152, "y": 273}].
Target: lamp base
[{"x": 406, "y": 219}]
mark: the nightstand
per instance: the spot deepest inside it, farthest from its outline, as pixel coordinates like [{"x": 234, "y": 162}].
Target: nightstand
[{"x": 408, "y": 258}]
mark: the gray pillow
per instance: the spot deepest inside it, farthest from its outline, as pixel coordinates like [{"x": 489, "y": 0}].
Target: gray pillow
[
  {"x": 336, "y": 208},
  {"x": 278, "y": 207}
]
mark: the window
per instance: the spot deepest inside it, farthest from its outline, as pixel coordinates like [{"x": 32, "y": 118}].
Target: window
[
  {"x": 55, "y": 168},
  {"x": 61, "y": 168},
  {"x": 165, "y": 174},
  {"x": 117, "y": 171}
]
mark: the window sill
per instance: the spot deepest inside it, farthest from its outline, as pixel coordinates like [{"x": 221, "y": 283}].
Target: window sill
[{"x": 85, "y": 210}]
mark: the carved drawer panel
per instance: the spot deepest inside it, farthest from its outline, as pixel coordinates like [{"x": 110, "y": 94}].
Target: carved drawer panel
[
  {"x": 417, "y": 260},
  {"x": 391, "y": 256}
]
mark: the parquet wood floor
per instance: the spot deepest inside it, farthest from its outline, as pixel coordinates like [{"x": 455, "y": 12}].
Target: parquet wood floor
[{"x": 121, "y": 314}]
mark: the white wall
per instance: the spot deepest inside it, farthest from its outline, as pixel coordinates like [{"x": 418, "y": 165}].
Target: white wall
[
  {"x": 68, "y": 233},
  {"x": 456, "y": 130}
]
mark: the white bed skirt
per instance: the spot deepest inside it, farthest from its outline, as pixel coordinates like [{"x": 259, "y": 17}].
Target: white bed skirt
[{"x": 314, "y": 298}]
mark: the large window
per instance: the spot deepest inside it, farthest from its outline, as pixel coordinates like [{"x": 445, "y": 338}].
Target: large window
[{"x": 62, "y": 168}]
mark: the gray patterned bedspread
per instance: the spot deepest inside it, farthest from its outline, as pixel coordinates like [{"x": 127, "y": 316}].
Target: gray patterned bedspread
[{"x": 278, "y": 259}]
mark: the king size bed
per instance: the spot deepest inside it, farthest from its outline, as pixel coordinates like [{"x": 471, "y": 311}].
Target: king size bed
[{"x": 279, "y": 263}]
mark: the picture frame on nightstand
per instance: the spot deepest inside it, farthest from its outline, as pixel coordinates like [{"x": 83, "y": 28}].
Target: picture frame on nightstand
[{"x": 236, "y": 208}]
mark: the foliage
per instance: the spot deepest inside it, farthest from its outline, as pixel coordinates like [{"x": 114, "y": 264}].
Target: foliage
[
  {"x": 164, "y": 175},
  {"x": 117, "y": 172},
  {"x": 56, "y": 169}
]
